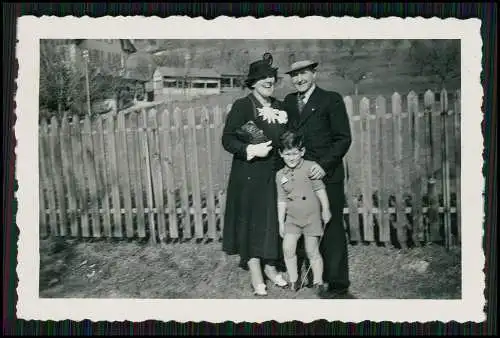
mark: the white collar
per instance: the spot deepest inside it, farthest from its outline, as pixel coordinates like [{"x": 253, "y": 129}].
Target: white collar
[{"x": 308, "y": 93}]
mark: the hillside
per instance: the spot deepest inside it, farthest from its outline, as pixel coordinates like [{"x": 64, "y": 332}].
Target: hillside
[{"x": 386, "y": 65}]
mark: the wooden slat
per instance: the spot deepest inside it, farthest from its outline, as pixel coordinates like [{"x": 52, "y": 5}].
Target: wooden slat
[
  {"x": 381, "y": 130},
  {"x": 458, "y": 172},
  {"x": 48, "y": 177},
  {"x": 89, "y": 158},
  {"x": 351, "y": 195},
  {"x": 124, "y": 172},
  {"x": 181, "y": 153},
  {"x": 136, "y": 168},
  {"x": 417, "y": 183},
  {"x": 146, "y": 173},
  {"x": 156, "y": 172},
  {"x": 195, "y": 178},
  {"x": 398, "y": 170},
  {"x": 212, "y": 231},
  {"x": 432, "y": 216},
  {"x": 113, "y": 176},
  {"x": 445, "y": 169},
  {"x": 69, "y": 174},
  {"x": 102, "y": 177},
  {"x": 76, "y": 144},
  {"x": 42, "y": 222},
  {"x": 55, "y": 157},
  {"x": 168, "y": 171},
  {"x": 366, "y": 169}
]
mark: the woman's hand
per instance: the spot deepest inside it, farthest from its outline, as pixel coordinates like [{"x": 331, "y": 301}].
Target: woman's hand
[
  {"x": 258, "y": 150},
  {"x": 326, "y": 215}
]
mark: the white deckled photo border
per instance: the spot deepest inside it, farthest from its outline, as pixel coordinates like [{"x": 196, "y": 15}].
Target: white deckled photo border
[{"x": 31, "y": 307}]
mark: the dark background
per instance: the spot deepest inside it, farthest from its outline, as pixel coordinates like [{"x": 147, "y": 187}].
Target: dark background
[{"x": 486, "y": 12}]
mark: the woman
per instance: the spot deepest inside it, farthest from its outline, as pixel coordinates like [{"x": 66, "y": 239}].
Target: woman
[{"x": 251, "y": 220}]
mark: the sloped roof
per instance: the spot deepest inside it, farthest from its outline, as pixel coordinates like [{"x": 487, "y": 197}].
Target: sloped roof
[
  {"x": 193, "y": 72},
  {"x": 126, "y": 45},
  {"x": 228, "y": 70}
]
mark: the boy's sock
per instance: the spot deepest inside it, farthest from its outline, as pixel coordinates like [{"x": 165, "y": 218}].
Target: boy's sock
[
  {"x": 317, "y": 268},
  {"x": 291, "y": 267}
]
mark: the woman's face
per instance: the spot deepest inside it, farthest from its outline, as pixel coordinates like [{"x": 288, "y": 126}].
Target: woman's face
[{"x": 265, "y": 87}]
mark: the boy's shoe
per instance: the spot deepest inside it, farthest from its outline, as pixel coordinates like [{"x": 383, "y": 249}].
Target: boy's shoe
[
  {"x": 260, "y": 290},
  {"x": 279, "y": 281}
]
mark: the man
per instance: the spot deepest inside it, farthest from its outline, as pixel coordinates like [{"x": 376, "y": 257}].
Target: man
[{"x": 321, "y": 117}]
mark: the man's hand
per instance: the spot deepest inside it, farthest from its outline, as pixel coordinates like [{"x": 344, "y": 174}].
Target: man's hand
[
  {"x": 282, "y": 230},
  {"x": 316, "y": 172}
]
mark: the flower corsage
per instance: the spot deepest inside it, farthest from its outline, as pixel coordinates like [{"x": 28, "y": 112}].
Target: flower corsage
[{"x": 272, "y": 115}]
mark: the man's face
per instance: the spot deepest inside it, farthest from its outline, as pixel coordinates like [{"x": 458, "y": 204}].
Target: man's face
[{"x": 303, "y": 79}]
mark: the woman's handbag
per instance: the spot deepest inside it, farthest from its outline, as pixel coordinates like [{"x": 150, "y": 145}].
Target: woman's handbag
[{"x": 250, "y": 133}]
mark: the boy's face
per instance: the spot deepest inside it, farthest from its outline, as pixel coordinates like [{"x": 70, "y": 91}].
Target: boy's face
[{"x": 292, "y": 157}]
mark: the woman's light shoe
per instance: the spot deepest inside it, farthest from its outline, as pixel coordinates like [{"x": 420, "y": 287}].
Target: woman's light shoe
[
  {"x": 260, "y": 290},
  {"x": 280, "y": 281}
]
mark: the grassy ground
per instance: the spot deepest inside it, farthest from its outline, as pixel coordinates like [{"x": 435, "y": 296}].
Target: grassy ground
[{"x": 106, "y": 269}]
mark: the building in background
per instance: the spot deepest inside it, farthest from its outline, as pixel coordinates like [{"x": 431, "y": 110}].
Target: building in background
[
  {"x": 185, "y": 83},
  {"x": 231, "y": 78}
]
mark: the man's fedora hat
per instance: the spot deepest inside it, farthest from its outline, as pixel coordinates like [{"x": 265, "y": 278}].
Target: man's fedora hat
[{"x": 299, "y": 65}]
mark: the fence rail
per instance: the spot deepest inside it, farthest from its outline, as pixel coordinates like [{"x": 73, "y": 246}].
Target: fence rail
[{"x": 160, "y": 172}]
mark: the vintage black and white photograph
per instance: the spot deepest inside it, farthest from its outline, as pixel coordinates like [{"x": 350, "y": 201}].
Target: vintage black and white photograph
[{"x": 264, "y": 167}]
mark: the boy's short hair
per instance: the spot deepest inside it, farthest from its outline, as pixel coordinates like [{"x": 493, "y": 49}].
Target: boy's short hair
[{"x": 291, "y": 140}]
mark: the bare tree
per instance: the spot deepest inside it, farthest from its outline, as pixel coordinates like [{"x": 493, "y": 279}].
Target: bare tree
[
  {"x": 438, "y": 59},
  {"x": 62, "y": 82},
  {"x": 351, "y": 65},
  {"x": 390, "y": 49}
]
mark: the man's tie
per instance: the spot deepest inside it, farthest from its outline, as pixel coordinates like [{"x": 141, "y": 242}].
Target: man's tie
[{"x": 300, "y": 102}]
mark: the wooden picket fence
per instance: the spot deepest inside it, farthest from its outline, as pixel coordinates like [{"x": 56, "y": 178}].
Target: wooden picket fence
[{"x": 160, "y": 172}]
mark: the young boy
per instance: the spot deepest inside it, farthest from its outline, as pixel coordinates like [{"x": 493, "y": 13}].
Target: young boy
[{"x": 302, "y": 206}]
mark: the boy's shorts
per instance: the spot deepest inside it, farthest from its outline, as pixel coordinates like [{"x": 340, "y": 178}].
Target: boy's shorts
[{"x": 314, "y": 228}]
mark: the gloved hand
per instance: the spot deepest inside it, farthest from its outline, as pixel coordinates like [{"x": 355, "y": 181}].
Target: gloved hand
[{"x": 258, "y": 150}]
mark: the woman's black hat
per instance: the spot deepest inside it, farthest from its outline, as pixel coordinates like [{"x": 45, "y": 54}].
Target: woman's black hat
[{"x": 261, "y": 69}]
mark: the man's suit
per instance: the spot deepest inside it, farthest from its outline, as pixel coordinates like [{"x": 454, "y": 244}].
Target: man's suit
[{"x": 325, "y": 127}]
